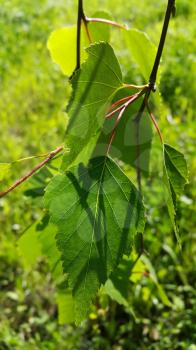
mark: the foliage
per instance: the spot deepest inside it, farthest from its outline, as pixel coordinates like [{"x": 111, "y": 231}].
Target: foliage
[{"x": 37, "y": 94}]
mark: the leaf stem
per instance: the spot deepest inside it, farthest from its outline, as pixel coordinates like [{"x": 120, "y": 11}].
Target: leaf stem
[
  {"x": 32, "y": 172},
  {"x": 122, "y": 110},
  {"x": 132, "y": 86},
  {"x": 137, "y": 137},
  {"x": 152, "y": 82},
  {"x": 115, "y": 127},
  {"x": 128, "y": 100},
  {"x": 154, "y": 122},
  {"x": 105, "y": 21}
]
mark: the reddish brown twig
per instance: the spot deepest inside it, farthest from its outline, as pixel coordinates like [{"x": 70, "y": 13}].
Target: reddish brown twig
[
  {"x": 128, "y": 100},
  {"x": 32, "y": 172},
  {"x": 133, "y": 86},
  {"x": 105, "y": 21},
  {"x": 154, "y": 122},
  {"x": 118, "y": 103},
  {"x": 115, "y": 127}
]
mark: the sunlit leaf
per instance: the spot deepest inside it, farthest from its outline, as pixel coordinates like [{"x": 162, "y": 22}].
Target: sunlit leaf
[
  {"x": 175, "y": 176},
  {"x": 62, "y": 42},
  {"x": 97, "y": 211},
  {"x": 142, "y": 50},
  {"x": 94, "y": 86}
]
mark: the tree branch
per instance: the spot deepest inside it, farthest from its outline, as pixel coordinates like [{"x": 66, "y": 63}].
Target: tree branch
[
  {"x": 168, "y": 14},
  {"x": 81, "y": 17},
  {"x": 152, "y": 83},
  {"x": 32, "y": 172}
]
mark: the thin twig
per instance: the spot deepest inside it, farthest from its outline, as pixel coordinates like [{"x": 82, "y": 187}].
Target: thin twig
[
  {"x": 32, "y": 172},
  {"x": 115, "y": 127},
  {"x": 105, "y": 21},
  {"x": 128, "y": 100},
  {"x": 118, "y": 103},
  {"x": 122, "y": 110},
  {"x": 168, "y": 14},
  {"x": 152, "y": 82},
  {"x": 137, "y": 136},
  {"x": 154, "y": 122},
  {"x": 78, "y": 40},
  {"x": 133, "y": 86}
]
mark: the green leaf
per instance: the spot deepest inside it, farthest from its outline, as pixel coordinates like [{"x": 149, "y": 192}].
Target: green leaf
[
  {"x": 176, "y": 167},
  {"x": 142, "y": 50},
  {"x": 39, "y": 240},
  {"x": 97, "y": 211},
  {"x": 114, "y": 293},
  {"x": 100, "y": 31},
  {"x": 163, "y": 296},
  {"x": 62, "y": 43},
  {"x": 94, "y": 86},
  {"x": 117, "y": 287},
  {"x": 65, "y": 307},
  {"x": 175, "y": 176},
  {"x": 29, "y": 246}
]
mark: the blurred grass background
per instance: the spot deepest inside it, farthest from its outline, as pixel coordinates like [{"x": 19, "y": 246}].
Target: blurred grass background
[{"x": 32, "y": 121}]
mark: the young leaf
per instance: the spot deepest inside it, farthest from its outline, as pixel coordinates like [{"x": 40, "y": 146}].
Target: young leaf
[
  {"x": 97, "y": 211},
  {"x": 175, "y": 175},
  {"x": 100, "y": 31},
  {"x": 62, "y": 42},
  {"x": 142, "y": 50},
  {"x": 94, "y": 85}
]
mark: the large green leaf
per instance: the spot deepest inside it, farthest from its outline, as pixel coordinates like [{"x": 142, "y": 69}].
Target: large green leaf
[
  {"x": 94, "y": 86},
  {"x": 62, "y": 42},
  {"x": 97, "y": 211},
  {"x": 175, "y": 175}
]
